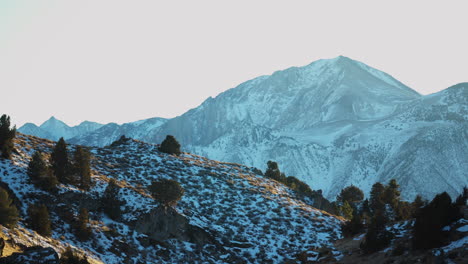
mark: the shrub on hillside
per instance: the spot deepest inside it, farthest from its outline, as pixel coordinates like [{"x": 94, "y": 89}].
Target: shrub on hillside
[
  {"x": 83, "y": 230},
  {"x": 167, "y": 192},
  {"x": 9, "y": 215},
  {"x": 111, "y": 202},
  {"x": 7, "y": 135},
  {"x": 71, "y": 257},
  {"x": 41, "y": 175},
  {"x": 39, "y": 219},
  {"x": 170, "y": 145}
]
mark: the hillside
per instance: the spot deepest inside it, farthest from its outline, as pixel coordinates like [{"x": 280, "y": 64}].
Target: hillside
[{"x": 228, "y": 214}]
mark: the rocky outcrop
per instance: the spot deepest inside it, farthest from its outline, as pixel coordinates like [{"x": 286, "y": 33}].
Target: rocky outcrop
[
  {"x": 33, "y": 255},
  {"x": 165, "y": 223}
]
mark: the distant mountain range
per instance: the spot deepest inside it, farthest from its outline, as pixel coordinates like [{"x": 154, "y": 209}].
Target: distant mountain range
[{"x": 331, "y": 123}]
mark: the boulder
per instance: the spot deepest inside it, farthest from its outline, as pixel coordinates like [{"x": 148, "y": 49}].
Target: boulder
[{"x": 166, "y": 223}]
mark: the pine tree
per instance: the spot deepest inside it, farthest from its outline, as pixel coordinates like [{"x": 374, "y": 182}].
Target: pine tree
[
  {"x": 83, "y": 230},
  {"x": 427, "y": 230},
  {"x": 353, "y": 227},
  {"x": 40, "y": 174},
  {"x": 111, "y": 202},
  {"x": 167, "y": 192},
  {"x": 391, "y": 194},
  {"x": 39, "y": 219},
  {"x": 9, "y": 215},
  {"x": 274, "y": 173},
  {"x": 416, "y": 205},
  {"x": 376, "y": 202},
  {"x": 7, "y": 135},
  {"x": 377, "y": 237},
  {"x": 346, "y": 210},
  {"x": 82, "y": 166},
  {"x": 170, "y": 145},
  {"x": 351, "y": 194},
  {"x": 60, "y": 162}
]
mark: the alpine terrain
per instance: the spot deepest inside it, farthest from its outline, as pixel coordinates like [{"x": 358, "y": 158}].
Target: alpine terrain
[{"x": 331, "y": 123}]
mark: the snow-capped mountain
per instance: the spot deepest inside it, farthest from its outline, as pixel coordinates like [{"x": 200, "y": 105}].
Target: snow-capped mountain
[
  {"x": 334, "y": 123},
  {"x": 54, "y": 129},
  {"x": 107, "y": 134},
  {"x": 331, "y": 123}
]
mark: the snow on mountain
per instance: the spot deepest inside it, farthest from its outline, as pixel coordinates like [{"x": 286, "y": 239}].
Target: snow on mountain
[
  {"x": 54, "y": 129},
  {"x": 334, "y": 123},
  {"x": 243, "y": 216},
  {"x": 331, "y": 123},
  {"x": 109, "y": 133}
]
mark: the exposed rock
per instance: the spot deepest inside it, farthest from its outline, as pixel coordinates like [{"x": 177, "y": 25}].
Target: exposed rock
[
  {"x": 165, "y": 222},
  {"x": 33, "y": 255}
]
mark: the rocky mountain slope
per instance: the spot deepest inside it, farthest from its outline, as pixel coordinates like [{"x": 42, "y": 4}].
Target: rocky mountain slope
[
  {"x": 331, "y": 123},
  {"x": 228, "y": 214}
]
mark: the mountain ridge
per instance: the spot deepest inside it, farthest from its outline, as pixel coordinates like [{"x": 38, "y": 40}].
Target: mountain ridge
[{"x": 331, "y": 123}]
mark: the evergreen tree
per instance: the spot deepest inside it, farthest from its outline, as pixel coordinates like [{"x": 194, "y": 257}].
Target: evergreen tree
[
  {"x": 9, "y": 215},
  {"x": 353, "y": 227},
  {"x": 170, "y": 145},
  {"x": 365, "y": 209},
  {"x": 7, "y": 135},
  {"x": 427, "y": 230},
  {"x": 167, "y": 192},
  {"x": 39, "y": 219},
  {"x": 111, "y": 202},
  {"x": 462, "y": 198},
  {"x": 416, "y": 205},
  {"x": 82, "y": 166},
  {"x": 377, "y": 237},
  {"x": 391, "y": 194},
  {"x": 346, "y": 210},
  {"x": 376, "y": 202},
  {"x": 351, "y": 194},
  {"x": 60, "y": 162},
  {"x": 273, "y": 172},
  {"x": 83, "y": 230},
  {"x": 40, "y": 174}
]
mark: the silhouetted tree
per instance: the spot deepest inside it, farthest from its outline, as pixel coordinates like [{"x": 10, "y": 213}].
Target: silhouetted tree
[
  {"x": 377, "y": 237},
  {"x": 353, "y": 227},
  {"x": 170, "y": 145},
  {"x": 7, "y": 135},
  {"x": 274, "y": 173},
  {"x": 60, "y": 162},
  {"x": 391, "y": 194},
  {"x": 40, "y": 174},
  {"x": 111, "y": 202},
  {"x": 82, "y": 167},
  {"x": 8, "y": 212},
  {"x": 351, "y": 194},
  {"x": 427, "y": 231},
  {"x": 376, "y": 202},
  {"x": 39, "y": 219},
  {"x": 416, "y": 205},
  {"x": 167, "y": 192}
]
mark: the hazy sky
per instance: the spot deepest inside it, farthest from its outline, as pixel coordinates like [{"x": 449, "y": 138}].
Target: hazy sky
[{"x": 123, "y": 61}]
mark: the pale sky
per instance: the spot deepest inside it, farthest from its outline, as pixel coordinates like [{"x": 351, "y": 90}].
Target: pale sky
[{"x": 121, "y": 61}]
